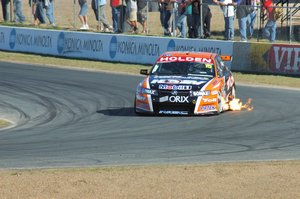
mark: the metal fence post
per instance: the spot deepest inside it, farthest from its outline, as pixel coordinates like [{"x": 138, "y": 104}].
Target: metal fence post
[
  {"x": 11, "y": 10},
  {"x": 74, "y": 14},
  {"x": 147, "y": 17},
  {"x": 201, "y": 20}
]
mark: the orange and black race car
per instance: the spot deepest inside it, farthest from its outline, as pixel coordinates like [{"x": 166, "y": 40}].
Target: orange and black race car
[{"x": 186, "y": 83}]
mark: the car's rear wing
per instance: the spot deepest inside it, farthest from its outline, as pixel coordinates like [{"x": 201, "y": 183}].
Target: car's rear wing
[{"x": 226, "y": 57}]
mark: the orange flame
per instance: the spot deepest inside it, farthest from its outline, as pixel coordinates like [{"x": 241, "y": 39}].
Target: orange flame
[{"x": 237, "y": 105}]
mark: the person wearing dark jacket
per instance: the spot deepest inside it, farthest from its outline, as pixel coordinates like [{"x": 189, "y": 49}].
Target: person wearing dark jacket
[
  {"x": 243, "y": 12},
  {"x": 5, "y": 12}
]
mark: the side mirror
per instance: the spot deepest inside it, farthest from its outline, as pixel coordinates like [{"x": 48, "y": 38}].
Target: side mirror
[
  {"x": 144, "y": 72},
  {"x": 226, "y": 57}
]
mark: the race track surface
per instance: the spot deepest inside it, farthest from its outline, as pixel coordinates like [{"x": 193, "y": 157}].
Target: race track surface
[{"x": 68, "y": 118}]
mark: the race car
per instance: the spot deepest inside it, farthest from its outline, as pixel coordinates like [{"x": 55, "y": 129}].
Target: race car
[{"x": 186, "y": 83}]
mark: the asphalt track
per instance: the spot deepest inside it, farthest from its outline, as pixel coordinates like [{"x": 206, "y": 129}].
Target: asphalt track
[{"x": 66, "y": 118}]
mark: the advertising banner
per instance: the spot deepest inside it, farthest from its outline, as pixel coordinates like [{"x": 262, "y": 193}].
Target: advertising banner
[
  {"x": 284, "y": 58},
  {"x": 106, "y": 47}
]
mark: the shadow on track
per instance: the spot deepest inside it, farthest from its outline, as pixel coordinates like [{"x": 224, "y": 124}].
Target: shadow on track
[{"x": 114, "y": 111}]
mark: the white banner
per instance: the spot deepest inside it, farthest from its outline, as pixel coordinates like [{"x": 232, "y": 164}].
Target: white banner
[{"x": 106, "y": 47}]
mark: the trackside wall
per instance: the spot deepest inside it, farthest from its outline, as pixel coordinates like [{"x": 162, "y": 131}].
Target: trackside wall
[
  {"x": 266, "y": 58},
  {"x": 145, "y": 50}
]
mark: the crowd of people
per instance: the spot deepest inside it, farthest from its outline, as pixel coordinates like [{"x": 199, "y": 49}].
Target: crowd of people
[{"x": 191, "y": 18}]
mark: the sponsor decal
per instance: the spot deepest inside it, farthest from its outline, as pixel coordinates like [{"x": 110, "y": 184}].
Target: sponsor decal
[
  {"x": 284, "y": 58},
  {"x": 29, "y": 40},
  {"x": 174, "y": 112},
  {"x": 12, "y": 38},
  {"x": 179, "y": 99},
  {"x": 174, "y": 92},
  {"x": 175, "y": 99},
  {"x": 2, "y": 37},
  {"x": 209, "y": 100},
  {"x": 174, "y": 87},
  {"x": 208, "y": 108},
  {"x": 60, "y": 43},
  {"x": 70, "y": 43},
  {"x": 171, "y": 45},
  {"x": 132, "y": 47},
  {"x": 214, "y": 92},
  {"x": 177, "y": 81},
  {"x": 164, "y": 99},
  {"x": 185, "y": 59},
  {"x": 113, "y": 47},
  {"x": 200, "y": 93}
]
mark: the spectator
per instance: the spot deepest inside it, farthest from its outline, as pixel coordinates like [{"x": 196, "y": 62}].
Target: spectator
[
  {"x": 32, "y": 4},
  {"x": 18, "y": 11},
  {"x": 252, "y": 18},
  {"x": 189, "y": 17},
  {"x": 206, "y": 14},
  {"x": 167, "y": 6},
  {"x": 132, "y": 18},
  {"x": 98, "y": 7},
  {"x": 117, "y": 11},
  {"x": 206, "y": 18},
  {"x": 40, "y": 13},
  {"x": 5, "y": 9},
  {"x": 243, "y": 14},
  {"x": 181, "y": 18},
  {"x": 161, "y": 13},
  {"x": 142, "y": 14},
  {"x": 83, "y": 14},
  {"x": 270, "y": 28},
  {"x": 228, "y": 12},
  {"x": 196, "y": 18}
]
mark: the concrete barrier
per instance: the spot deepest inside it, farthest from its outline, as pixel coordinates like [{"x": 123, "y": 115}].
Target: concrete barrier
[{"x": 247, "y": 57}]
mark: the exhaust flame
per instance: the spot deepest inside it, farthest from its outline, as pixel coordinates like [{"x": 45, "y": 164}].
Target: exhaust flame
[{"x": 237, "y": 105}]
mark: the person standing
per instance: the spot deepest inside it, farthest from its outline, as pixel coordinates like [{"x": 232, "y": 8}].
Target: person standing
[
  {"x": 40, "y": 12},
  {"x": 167, "y": 6},
  {"x": 18, "y": 11},
  {"x": 98, "y": 7},
  {"x": 181, "y": 17},
  {"x": 228, "y": 12},
  {"x": 5, "y": 9},
  {"x": 118, "y": 13},
  {"x": 269, "y": 30},
  {"x": 252, "y": 18},
  {"x": 83, "y": 14},
  {"x": 142, "y": 14},
  {"x": 132, "y": 18},
  {"x": 243, "y": 16}
]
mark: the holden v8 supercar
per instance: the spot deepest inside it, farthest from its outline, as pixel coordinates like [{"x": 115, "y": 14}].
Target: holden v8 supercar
[{"x": 186, "y": 83}]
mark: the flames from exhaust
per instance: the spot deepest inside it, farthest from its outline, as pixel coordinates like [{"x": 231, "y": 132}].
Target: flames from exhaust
[{"x": 237, "y": 105}]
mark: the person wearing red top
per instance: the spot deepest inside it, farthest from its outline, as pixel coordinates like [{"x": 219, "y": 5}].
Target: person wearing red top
[
  {"x": 269, "y": 31},
  {"x": 118, "y": 10}
]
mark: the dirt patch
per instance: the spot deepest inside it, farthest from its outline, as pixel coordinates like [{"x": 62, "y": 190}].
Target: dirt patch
[{"x": 230, "y": 180}]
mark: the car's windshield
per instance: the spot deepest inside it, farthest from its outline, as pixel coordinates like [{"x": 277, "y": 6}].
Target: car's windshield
[{"x": 183, "y": 69}]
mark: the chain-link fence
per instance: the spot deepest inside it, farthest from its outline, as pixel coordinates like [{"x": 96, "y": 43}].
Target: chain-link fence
[{"x": 66, "y": 17}]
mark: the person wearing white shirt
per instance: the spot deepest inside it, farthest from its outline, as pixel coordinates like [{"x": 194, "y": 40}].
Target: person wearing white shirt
[{"x": 228, "y": 12}]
